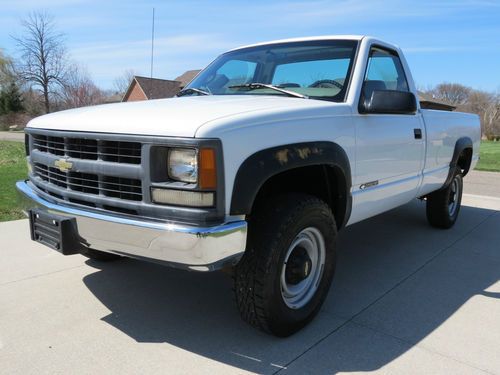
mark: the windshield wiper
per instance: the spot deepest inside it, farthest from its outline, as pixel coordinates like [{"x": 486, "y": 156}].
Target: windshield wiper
[
  {"x": 191, "y": 90},
  {"x": 256, "y": 85}
]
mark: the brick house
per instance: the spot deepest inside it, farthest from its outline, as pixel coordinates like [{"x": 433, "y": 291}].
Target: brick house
[{"x": 144, "y": 88}]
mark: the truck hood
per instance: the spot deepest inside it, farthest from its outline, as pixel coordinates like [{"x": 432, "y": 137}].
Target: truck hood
[{"x": 176, "y": 117}]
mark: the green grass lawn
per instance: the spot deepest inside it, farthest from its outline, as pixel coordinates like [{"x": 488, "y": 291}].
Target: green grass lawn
[
  {"x": 489, "y": 157},
  {"x": 12, "y": 168}
]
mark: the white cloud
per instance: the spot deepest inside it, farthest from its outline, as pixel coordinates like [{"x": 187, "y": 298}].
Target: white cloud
[
  {"x": 173, "y": 45},
  {"x": 346, "y": 12},
  {"x": 173, "y": 55}
]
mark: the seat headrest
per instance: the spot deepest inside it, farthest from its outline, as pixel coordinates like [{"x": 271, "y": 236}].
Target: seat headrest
[{"x": 372, "y": 85}]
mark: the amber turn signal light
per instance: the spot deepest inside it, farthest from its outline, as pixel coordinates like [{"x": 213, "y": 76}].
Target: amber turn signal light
[{"x": 207, "y": 169}]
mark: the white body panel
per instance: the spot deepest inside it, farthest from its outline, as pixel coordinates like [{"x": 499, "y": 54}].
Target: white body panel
[
  {"x": 380, "y": 148},
  {"x": 443, "y": 129}
]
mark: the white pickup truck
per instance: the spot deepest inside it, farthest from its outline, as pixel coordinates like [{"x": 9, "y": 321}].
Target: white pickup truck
[{"x": 254, "y": 167}]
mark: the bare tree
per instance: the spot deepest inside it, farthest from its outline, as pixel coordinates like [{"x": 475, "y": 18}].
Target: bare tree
[
  {"x": 487, "y": 106},
  {"x": 466, "y": 99},
  {"x": 452, "y": 93},
  {"x": 3, "y": 65},
  {"x": 43, "y": 62},
  {"x": 491, "y": 117},
  {"x": 122, "y": 82},
  {"x": 79, "y": 90},
  {"x": 32, "y": 103}
]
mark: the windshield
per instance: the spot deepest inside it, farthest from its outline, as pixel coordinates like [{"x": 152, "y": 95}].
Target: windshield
[{"x": 316, "y": 69}]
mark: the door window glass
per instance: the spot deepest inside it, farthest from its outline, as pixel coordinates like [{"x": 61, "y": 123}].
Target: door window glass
[{"x": 385, "y": 71}]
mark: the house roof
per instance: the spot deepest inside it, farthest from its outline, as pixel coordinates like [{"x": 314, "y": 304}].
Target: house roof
[
  {"x": 187, "y": 77},
  {"x": 154, "y": 88}
]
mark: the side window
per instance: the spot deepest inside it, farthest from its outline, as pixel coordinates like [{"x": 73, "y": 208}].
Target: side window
[{"x": 385, "y": 71}]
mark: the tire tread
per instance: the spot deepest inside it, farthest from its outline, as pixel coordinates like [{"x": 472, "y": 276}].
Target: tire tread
[
  {"x": 266, "y": 228},
  {"x": 437, "y": 207}
]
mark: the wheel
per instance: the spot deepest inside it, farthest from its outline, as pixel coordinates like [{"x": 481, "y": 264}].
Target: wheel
[
  {"x": 327, "y": 83},
  {"x": 100, "y": 256},
  {"x": 288, "y": 266},
  {"x": 443, "y": 205}
]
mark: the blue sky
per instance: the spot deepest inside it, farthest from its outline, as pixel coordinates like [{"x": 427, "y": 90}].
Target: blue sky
[{"x": 453, "y": 41}]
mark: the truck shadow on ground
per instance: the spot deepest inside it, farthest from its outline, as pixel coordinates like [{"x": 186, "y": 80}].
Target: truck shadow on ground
[{"x": 412, "y": 277}]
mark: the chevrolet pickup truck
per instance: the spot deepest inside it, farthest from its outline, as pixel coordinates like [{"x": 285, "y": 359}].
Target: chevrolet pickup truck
[{"x": 254, "y": 167}]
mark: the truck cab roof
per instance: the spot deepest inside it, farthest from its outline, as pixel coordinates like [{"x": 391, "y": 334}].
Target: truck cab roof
[{"x": 317, "y": 38}]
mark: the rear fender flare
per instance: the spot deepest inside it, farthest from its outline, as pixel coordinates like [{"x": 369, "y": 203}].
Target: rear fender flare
[{"x": 461, "y": 145}]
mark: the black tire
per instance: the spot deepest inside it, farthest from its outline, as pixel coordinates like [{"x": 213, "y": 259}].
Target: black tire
[
  {"x": 443, "y": 206},
  {"x": 100, "y": 256},
  {"x": 258, "y": 276}
]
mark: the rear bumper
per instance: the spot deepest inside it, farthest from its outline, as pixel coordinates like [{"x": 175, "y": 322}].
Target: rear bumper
[{"x": 177, "y": 245}]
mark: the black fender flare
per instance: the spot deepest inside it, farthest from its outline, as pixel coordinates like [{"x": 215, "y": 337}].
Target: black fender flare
[
  {"x": 264, "y": 164},
  {"x": 461, "y": 144}
]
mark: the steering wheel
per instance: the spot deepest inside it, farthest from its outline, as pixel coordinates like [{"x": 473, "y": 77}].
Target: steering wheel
[{"x": 326, "y": 83}]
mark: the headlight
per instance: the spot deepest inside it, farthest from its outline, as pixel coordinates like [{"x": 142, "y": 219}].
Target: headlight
[
  {"x": 183, "y": 165},
  {"x": 194, "y": 166}
]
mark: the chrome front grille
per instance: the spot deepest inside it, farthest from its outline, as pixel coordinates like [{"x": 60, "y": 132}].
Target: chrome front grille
[
  {"x": 90, "y": 149},
  {"x": 101, "y": 172}
]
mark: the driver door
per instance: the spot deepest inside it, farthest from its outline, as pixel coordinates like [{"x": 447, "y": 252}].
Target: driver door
[{"x": 389, "y": 147}]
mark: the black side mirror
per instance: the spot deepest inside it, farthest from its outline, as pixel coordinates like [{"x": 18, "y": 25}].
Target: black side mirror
[{"x": 389, "y": 101}]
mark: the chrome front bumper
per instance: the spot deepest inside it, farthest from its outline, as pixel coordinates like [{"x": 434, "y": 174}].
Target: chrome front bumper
[{"x": 177, "y": 245}]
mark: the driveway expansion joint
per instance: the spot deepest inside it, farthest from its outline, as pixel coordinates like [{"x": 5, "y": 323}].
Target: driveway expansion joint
[{"x": 41, "y": 275}]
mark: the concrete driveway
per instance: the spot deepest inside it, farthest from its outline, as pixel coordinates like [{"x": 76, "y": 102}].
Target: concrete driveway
[
  {"x": 12, "y": 136},
  {"x": 406, "y": 298},
  {"x": 482, "y": 183}
]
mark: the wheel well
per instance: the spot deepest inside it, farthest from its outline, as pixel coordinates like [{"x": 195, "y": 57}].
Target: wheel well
[
  {"x": 326, "y": 182},
  {"x": 464, "y": 160}
]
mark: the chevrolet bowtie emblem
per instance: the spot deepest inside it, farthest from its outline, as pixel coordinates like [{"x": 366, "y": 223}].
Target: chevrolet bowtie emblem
[{"x": 63, "y": 165}]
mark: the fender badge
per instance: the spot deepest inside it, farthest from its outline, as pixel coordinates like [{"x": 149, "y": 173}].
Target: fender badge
[
  {"x": 368, "y": 185},
  {"x": 63, "y": 165}
]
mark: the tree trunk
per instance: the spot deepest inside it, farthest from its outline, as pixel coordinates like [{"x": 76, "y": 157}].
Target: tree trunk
[{"x": 46, "y": 99}]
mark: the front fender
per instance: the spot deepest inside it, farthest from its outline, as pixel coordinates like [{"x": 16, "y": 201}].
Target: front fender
[{"x": 262, "y": 165}]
